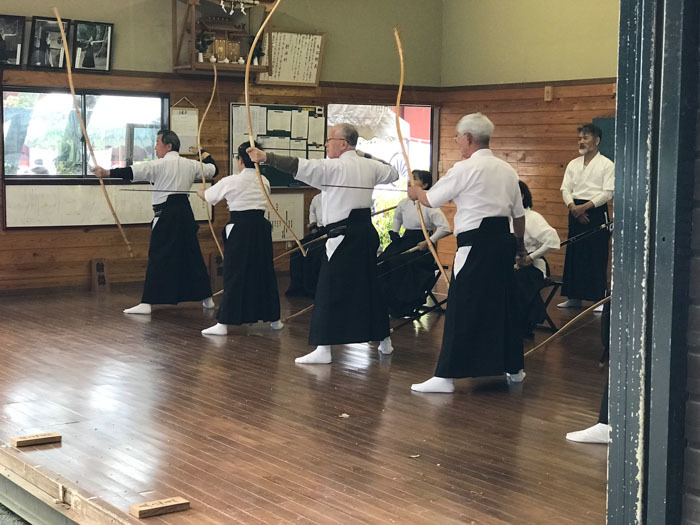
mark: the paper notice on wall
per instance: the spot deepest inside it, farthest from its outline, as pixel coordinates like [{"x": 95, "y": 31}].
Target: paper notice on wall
[
  {"x": 279, "y": 120},
  {"x": 317, "y": 130},
  {"x": 300, "y": 124}
]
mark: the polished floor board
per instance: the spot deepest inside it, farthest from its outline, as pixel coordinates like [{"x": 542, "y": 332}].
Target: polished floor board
[{"x": 149, "y": 408}]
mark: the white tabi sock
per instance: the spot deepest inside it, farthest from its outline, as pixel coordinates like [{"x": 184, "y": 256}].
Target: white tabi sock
[
  {"x": 277, "y": 325},
  {"x": 320, "y": 356},
  {"x": 516, "y": 378},
  {"x": 217, "y": 329},
  {"x": 385, "y": 346},
  {"x": 598, "y": 433},
  {"x": 141, "y": 308},
  {"x": 208, "y": 303},
  {"x": 436, "y": 385}
]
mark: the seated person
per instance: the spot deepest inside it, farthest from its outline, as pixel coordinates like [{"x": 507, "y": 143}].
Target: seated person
[
  {"x": 540, "y": 239},
  {"x": 303, "y": 271},
  {"x": 406, "y": 278}
]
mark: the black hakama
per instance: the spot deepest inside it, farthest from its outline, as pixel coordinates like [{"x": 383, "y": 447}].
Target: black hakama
[
  {"x": 303, "y": 271},
  {"x": 531, "y": 310},
  {"x": 250, "y": 283},
  {"x": 481, "y": 336},
  {"x": 586, "y": 263},
  {"x": 406, "y": 278},
  {"x": 349, "y": 307},
  {"x": 176, "y": 271}
]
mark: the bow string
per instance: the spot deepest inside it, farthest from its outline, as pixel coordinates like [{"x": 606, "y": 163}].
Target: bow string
[
  {"x": 201, "y": 164},
  {"x": 408, "y": 163},
  {"x": 250, "y": 126},
  {"x": 84, "y": 131}
]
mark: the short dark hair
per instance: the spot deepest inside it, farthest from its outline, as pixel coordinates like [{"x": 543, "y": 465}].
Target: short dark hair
[
  {"x": 424, "y": 176},
  {"x": 591, "y": 129},
  {"x": 243, "y": 154},
  {"x": 169, "y": 137},
  {"x": 525, "y": 192}
]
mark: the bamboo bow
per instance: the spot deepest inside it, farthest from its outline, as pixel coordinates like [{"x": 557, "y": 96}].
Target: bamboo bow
[
  {"x": 84, "y": 130},
  {"x": 250, "y": 126},
  {"x": 201, "y": 164},
  {"x": 559, "y": 332},
  {"x": 408, "y": 164}
]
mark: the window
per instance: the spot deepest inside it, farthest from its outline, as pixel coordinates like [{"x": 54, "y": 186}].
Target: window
[
  {"x": 42, "y": 136},
  {"x": 376, "y": 126}
]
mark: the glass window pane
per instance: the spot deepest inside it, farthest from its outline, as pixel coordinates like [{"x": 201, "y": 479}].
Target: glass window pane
[
  {"x": 122, "y": 129},
  {"x": 42, "y": 134}
]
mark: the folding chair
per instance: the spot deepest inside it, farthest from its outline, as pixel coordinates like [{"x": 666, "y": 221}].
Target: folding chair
[{"x": 554, "y": 284}]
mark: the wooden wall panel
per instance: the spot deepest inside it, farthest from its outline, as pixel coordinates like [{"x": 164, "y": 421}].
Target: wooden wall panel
[
  {"x": 537, "y": 138},
  {"x": 43, "y": 257}
]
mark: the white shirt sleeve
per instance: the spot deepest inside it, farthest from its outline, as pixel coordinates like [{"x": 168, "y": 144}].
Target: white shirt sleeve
[
  {"x": 314, "y": 210},
  {"x": 444, "y": 190},
  {"x": 216, "y": 193},
  {"x": 517, "y": 199},
  {"x": 146, "y": 171},
  {"x": 438, "y": 224},
  {"x": 566, "y": 186},
  {"x": 539, "y": 229},
  {"x": 385, "y": 173},
  {"x": 608, "y": 185},
  {"x": 315, "y": 172},
  {"x": 398, "y": 216}
]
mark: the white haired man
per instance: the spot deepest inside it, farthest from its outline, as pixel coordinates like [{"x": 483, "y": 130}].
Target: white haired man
[
  {"x": 349, "y": 307},
  {"x": 481, "y": 335}
]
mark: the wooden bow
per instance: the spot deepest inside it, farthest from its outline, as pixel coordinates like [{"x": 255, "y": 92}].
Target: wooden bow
[
  {"x": 201, "y": 164},
  {"x": 250, "y": 125},
  {"x": 559, "y": 332},
  {"x": 84, "y": 130},
  {"x": 408, "y": 163}
]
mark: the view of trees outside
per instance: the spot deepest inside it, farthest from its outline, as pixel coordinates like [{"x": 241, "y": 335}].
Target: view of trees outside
[{"x": 43, "y": 137}]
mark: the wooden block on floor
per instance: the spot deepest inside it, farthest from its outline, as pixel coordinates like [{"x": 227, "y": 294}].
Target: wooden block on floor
[
  {"x": 158, "y": 507},
  {"x": 36, "y": 439}
]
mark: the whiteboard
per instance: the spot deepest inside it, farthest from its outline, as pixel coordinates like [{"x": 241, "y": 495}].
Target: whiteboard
[
  {"x": 295, "y": 58},
  {"x": 83, "y": 205}
]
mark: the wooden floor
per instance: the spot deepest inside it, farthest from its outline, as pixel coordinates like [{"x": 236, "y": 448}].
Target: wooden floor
[{"x": 148, "y": 408}]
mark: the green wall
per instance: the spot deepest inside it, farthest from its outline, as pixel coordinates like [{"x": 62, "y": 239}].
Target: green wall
[
  {"x": 510, "y": 41},
  {"x": 446, "y": 42},
  {"x": 360, "y": 45}
]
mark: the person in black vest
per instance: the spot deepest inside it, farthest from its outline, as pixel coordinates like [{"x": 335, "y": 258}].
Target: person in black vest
[
  {"x": 481, "y": 335},
  {"x": 176, "y": 271},
  {"x": 587, "y": 187}
]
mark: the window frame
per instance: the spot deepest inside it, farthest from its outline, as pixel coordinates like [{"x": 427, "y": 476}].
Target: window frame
[{"x": 82, "y": 94}]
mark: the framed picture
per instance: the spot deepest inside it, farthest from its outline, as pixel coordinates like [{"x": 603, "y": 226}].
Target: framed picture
[
  {"x": 45, "y": 45},
  {"x": 92, "y": 45},
  {"x": 11, "y": 39}
]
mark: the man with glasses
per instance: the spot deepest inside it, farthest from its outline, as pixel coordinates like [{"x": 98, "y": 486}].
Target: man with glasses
[{"x": 348, "y": 307}]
